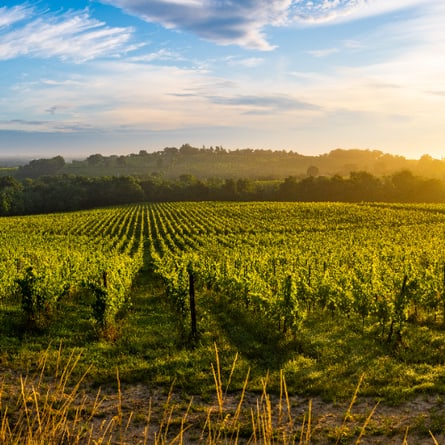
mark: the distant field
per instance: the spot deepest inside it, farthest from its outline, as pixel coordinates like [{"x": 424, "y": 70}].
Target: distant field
[
  {"x": 7, "y": 171},
  {"x": 320, "y": 293}
]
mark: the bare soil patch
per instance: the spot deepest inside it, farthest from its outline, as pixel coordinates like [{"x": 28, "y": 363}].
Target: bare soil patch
[{"x": 139, "y": 414}]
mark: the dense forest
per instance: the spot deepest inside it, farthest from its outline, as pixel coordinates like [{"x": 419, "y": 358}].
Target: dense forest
[{"x": 59, "y": 193}]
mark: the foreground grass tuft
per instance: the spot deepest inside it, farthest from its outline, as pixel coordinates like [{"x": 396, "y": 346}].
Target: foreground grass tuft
[{"x": 55, "y": 409}]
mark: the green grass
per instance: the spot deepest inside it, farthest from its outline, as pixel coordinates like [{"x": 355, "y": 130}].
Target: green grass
[
  {"x": 151, "y": 345},
  {"x": 50, "y": 406}
]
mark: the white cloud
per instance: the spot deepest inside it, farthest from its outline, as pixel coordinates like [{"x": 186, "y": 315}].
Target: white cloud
[
  {"x": 244, "y": 22},
  {"x": 322, "y": 52},
  {"x": 69, "y": 36},
  {"x": 223, "y": 21},
  {"x": 162, "y": 54},
  {"x": 9, "y": 16},
  {"x": 337, "y": 11},
  {"x": 249, "y": 62}
]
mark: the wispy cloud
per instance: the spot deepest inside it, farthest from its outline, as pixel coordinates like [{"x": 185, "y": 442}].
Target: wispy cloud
[
  {"x": 9, "y": 16},
  {"x": 244, "y": 22},
  {"x": 69, "y": 36},
  {"x": 249, "y": 62},
  {"x": 117, "y": 93},
  {"x": 43, "y": 126},
  {"x": 337, "y": 11},
  {"x": 161, "y": 55},
  {"x": 322, "y": 52},
  {"x": 271, "y": 103},
  {"x": 437, "y": 93},
  {"x": 56, "y": 108}
]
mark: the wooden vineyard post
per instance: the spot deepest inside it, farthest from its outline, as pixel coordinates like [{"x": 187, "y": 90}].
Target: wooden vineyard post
[
  {"x": 398, "y": 310},
  {"x": 192, "y": 301},
  {"x": 443, "y": 295}
]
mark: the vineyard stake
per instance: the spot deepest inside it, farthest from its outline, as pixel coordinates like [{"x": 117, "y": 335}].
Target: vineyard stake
[
  {"x": 192, "y": 301},
  {"x": 443, "y": 294}
]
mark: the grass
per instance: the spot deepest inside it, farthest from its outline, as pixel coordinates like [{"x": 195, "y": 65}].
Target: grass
[
  {"x": 246, "y": 391},
  {"x": 54, "y": 409}
]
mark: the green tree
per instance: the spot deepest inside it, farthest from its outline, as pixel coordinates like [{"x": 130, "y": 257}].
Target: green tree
[{"x": 11, "y": 197}]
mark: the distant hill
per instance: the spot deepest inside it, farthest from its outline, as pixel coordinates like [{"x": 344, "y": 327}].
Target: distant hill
[
  {"x": 216, "y": 162},
  {"x": 215, "y": 174}
]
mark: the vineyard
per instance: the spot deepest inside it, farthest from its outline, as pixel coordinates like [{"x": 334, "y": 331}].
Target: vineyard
[{"x": 266, "y": 273}]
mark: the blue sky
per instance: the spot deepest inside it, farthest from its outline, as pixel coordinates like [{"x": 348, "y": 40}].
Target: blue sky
[{"x": 117, "y": 76}]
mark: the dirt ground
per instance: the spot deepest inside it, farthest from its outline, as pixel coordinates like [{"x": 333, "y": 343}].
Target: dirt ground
[
  {"x": 417, "y": 422},
  {"x": 137, "y": 414}
]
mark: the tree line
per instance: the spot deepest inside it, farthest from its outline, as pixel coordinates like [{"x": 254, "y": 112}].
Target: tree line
[
  {"x": 62, "y": 193},
  {"x": 205, "y": 163}
]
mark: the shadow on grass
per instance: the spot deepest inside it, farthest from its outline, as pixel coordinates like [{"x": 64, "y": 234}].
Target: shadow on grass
[
  {"x": 11, "y": 326},
  {"x": 255, "y": 337}
]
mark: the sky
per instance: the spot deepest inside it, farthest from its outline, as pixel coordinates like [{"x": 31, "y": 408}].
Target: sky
[{"x": 119, "y": 76}]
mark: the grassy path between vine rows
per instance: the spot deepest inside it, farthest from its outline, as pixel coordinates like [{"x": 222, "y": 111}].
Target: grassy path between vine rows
[{"x": 151, "y": 385}]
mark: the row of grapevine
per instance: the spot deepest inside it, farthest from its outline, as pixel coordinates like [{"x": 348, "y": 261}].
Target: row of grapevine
[
  {"x": 47, "y": 259},
  {"x": 376, "y": 262},
  {"x": 380, "y": 263}
]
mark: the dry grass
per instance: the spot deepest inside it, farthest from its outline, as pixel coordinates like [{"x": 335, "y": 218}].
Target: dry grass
[{"x": 42, "y": 410}]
